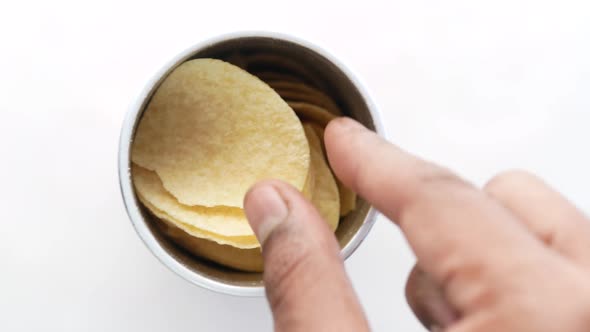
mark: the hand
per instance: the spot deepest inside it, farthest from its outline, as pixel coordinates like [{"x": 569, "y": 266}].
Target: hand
[{"x": 512, "y": 257}]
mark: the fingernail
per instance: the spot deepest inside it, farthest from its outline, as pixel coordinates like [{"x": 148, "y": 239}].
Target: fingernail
[
  {"x": 435, "y": 328},
  {"x": 265, "y": 210}
]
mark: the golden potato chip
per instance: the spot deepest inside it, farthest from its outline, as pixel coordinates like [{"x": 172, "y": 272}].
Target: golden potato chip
[
  {"x": 242, "y": 242},
  {"x": 233, "y": 252},
  {"x": 347, "y": 196},
  {"x": 319, "y": 131},
  {"x": 222, "y": 220},
  {"x": 281, "y": 64},
  {"x": 268, "y": 76},
  {"x": 296, "y": 91},
  {"x": 325, "y": 195},
  {"x": 309, "y": 186},
  {"x": 311, "y": 113},
  {"x": 347, "y": 199},
  {"x": 281, "y": 85},
  {"x": 220, "y": 224},
  {"x": 237, "y": 60},
  {"x": 298, "y": 96},
  {"x": 212, "y": 130},
  {"x": 230, "y": 256}
]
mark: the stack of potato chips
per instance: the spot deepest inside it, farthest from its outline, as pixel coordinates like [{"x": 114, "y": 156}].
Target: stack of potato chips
[{"x": 211, "y": 131}]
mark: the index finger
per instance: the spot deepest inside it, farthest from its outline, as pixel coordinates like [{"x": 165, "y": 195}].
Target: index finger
[{"x": 454, "y": 229}]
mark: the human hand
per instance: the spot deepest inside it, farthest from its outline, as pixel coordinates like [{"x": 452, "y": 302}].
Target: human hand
[{"x": 514, "y": 256}]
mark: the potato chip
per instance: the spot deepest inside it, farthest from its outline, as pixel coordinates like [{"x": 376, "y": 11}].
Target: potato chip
[
  {"x": 230, "y": 256},
  {"x": 320, "y": 101},
  {"x": 281, "y": 85},
  {"x": 347, "y": 199},
  {"x": 238, "y": 252},
  {"x": 325, "y": 195},
  {"x": 347, "y": 196},
  {"x": 319, "y": 131},
  {"x": 309, "y": 186},
  {"x": 301, "y": 92},
  {"x": 221, "y": 224},
  {"x": 311, "y": 113},
  {"x": 268, "y": 76},
  {"x": 222, "y": 220},
  {"x": 294, "y": 86},
  {"x": 281, "y": 64},
  {"x": 212, "y": 130},
  {"x": 237, "y": 60},
  {"x": 241, "y": 242}
]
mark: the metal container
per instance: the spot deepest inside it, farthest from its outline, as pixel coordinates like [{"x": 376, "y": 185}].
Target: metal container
[{"x": 335, "y": 78}]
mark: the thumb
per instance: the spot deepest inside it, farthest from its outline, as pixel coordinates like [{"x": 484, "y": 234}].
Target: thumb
[{"x": 305, "y": 282}]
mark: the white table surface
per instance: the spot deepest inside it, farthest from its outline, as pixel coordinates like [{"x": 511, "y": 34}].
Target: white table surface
[{"x": 477, "y": 86}]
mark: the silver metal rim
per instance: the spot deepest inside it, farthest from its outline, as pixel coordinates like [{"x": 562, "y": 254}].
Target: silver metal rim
[{"x": 126, "y": 185}]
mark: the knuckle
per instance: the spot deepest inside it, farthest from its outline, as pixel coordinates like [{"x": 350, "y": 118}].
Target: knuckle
[
  {"x": 433, "y": 175},
  {"x": 432, "y": 181},
  {"x": 413, "y": 284},
  {"x": 418, "y": 294},
  {"x": 470, "y": 284},
  {"x": 428, "y": 188},
  {"x": 508, "y": 180}
]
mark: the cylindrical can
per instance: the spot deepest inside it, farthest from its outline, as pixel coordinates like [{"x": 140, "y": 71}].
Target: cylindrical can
[{"x": 318, "y": 66}]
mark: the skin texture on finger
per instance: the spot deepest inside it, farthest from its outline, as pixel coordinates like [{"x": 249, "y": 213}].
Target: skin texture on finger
[
  {"x": 552, "y": 218},
  {"x": 529, "y": 303},
  {"x": 453, "y": 228},
  {"x": 306, "y": 284},
  {"x": 547, "y": 214},
  {"x": 427, "y": 301},
  {"x": 548, "y": 304}
]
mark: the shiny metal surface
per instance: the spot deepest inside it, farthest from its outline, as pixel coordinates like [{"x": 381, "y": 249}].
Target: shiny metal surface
[{"x": 333, "y": 76}]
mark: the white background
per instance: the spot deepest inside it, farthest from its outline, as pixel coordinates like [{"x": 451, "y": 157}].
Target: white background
[{"x": 479, "y": 86}]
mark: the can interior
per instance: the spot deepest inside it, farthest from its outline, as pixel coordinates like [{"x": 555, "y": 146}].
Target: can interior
[{"x": 313, "y": 68}]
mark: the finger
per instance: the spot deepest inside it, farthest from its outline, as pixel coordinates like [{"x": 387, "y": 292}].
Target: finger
[
  {"x": 460, "y": 236},
  {"x": 304, "y": 277},
  {"x": 545, "y": 212},
  {"x": 426, "y": 299}
]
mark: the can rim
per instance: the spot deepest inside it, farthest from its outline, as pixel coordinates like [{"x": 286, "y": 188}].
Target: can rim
[{"x": 124, "y": 160}]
